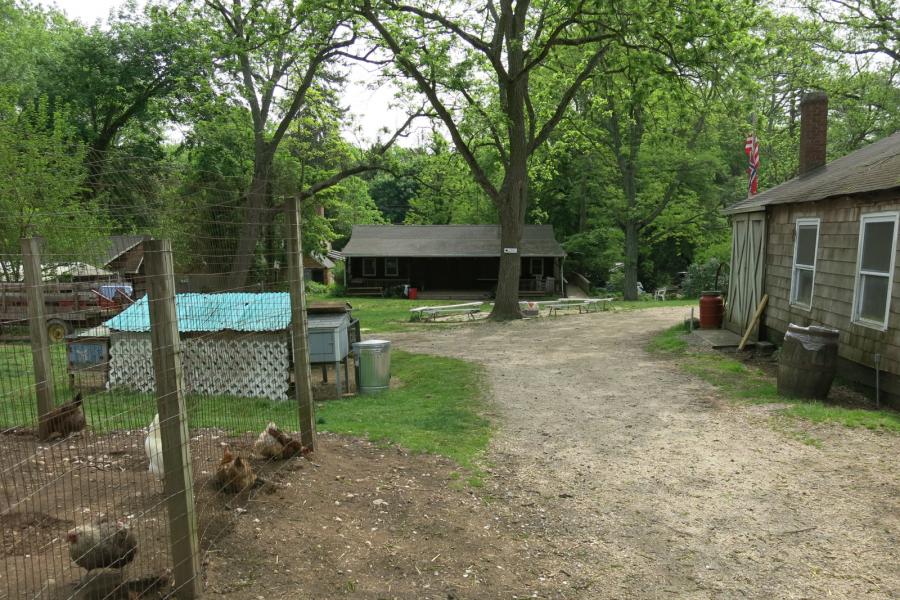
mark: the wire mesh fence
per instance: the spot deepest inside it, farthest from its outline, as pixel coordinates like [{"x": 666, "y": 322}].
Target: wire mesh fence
[{"x": 133, "y": 438}]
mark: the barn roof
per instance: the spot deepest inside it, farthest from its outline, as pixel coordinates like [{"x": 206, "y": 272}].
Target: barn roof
[
  {"x": 120, "y": 244},
  {"x": 432, "y": 241},
  {"x": 873, "y": 168},
  {"x": 256, "y": 312}
]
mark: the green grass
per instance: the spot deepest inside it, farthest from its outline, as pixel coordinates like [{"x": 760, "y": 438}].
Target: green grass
[
  {"x": 670, "y": 340},
  {"x": 748, "y": 384},
  {"x": 437, "y": 408},
  {"x": 18, "y": 403},
  {"x": 820, "y": 412},
  {"x": 643, "y": 304}
]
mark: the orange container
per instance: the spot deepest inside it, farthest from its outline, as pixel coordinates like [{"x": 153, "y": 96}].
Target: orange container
[{"x": 712, "y": 309}]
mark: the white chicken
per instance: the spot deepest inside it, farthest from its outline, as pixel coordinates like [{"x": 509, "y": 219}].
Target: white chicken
[
  {"x": 267, "y": 445},
  {"x": 153, "y": 448}
]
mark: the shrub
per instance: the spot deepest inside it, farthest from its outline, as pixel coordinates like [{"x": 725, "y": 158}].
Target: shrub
[
  {"x": 316, "y": 288},
  {"x": 702, "y": 277}
]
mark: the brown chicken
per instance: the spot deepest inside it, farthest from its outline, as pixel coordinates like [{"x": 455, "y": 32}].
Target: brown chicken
[
  {"x": 233, "y": 474},
  {"x": 106, "y": 545},
  {"x": 65, "y": 419},
  {"x": 289, "y": 446}
]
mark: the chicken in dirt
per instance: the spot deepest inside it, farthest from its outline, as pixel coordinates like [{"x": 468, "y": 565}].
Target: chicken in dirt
[
  {"x": 65, "y": 419},
  {"x": 275, "y": 444},
  {"x": 266, "y": 445},
  {"x": 233, "y": 474},
  {"x": 106, "y": 545}
]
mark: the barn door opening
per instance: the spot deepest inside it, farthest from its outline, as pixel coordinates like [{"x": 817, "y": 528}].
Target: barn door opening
[{"x": 748, "y": 268}]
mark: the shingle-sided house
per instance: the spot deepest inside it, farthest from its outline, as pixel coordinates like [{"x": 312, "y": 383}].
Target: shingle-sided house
[
  {"x": 436, "y": 258},
  {"x": 824, "y": 247}
]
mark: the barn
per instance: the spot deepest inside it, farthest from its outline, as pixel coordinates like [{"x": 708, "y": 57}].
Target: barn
[
  {"x": 442, "y": 259},
  {"x": 823, "y": 246},
  {"x": 124, "y": 255}
]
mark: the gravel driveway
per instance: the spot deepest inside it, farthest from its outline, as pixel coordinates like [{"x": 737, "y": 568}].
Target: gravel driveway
[{"x": 636, "y": 480}]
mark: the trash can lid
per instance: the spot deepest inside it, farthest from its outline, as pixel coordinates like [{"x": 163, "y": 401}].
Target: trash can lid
[{"x": 370, "y": 343}]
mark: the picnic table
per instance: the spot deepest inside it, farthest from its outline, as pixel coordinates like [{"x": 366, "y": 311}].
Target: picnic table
[
  {"x": 429, "y": 313},
  {"x": 584, "y": 305}
]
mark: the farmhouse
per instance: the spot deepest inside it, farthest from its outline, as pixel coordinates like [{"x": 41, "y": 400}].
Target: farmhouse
[
  {"x": 823, "y": 246},
  {"x": 440, "y": 258}
]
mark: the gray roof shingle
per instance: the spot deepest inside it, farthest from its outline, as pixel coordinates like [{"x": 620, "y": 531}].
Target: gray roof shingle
[
  {"x": 119, "y": 244},
  {"x": 873, "y": 168},
  {"x": 446, "y": 241}
]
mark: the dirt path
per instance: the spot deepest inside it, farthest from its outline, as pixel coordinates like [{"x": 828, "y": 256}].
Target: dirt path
[{"x": 635, "y": 480}]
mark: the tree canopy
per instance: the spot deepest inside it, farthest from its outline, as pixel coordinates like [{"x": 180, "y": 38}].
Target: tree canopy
[{"x": 620, "y": 125}]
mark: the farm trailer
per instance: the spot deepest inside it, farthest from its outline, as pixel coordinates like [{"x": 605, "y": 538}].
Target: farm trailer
[{"x": 67, "y": 305}]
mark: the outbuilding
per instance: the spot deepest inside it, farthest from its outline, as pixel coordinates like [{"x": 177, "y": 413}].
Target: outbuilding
[
  {"x": 449, "y": 258},
  {"x": 823, "y": 246},
  {"x": 235, "y": 344}
]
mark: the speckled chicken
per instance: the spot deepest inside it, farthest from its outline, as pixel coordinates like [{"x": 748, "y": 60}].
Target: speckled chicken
[
  {"x": 275, "y": 444},
  {"x": 105, "y": 545},
  {"x": 267, "y": 445}
]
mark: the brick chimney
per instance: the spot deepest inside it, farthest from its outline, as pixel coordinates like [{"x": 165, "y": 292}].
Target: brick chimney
[{"x": 813, "y": 131}]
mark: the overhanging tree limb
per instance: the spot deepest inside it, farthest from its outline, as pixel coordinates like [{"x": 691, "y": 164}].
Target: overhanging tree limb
[{"x": 430, "y": 91}]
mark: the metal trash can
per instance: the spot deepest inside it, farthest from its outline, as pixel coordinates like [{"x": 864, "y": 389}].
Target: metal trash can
[{"x": 372, "y": 360}]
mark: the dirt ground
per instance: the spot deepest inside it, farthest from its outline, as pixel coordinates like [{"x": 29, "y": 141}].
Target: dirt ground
[
  {"x": 643, "y": 483},
  {"x": 612, "y": 474}
]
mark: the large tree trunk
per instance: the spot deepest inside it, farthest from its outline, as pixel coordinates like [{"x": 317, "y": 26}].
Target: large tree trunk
[
  {"x": 506, "y": 303},
  {"x": 631, "y": 260},
  {"x": 513, "y": 201},
  {"x": 254, "y": 219}
]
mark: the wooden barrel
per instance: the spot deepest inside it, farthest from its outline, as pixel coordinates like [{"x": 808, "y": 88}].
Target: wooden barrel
[
  {"x": 808, "y": 362},
  {"x": 712, "y": 308}
]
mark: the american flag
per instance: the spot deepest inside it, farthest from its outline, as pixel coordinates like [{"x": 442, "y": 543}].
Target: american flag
[{"x": 751, "y": 149}]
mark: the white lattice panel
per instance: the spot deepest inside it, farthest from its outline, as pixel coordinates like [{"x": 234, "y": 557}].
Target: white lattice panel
[
  {"x": 131, "y": 363},
  {"x": 248, "y": 366}
]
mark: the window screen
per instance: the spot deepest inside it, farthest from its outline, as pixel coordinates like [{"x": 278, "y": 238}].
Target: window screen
[
  {"x": 878, "y": 241},
  {"x": 804, "y": 271},
  {"x": 877, "y": 247},
  {"x": 806, "y": 244}
]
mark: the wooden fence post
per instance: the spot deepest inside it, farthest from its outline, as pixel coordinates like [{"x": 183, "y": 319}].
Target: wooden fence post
[
  {"x": 178, "y": 478},
  {"x": 40, "y": 341},
  {"x": 299, "y": 329}
]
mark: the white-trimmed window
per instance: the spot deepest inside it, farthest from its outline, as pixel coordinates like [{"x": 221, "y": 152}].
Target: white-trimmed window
[
  {"x": 537, "y": 266},
  {"x": 369, "y": 267},
  {"x": 875, "y": 269},
  {"x": 803, "y": 274},
  {"x": 391, "y": 267}
]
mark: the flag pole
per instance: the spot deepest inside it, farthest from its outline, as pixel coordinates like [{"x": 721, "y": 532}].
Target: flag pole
[{"x": 752, "y": 149}]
